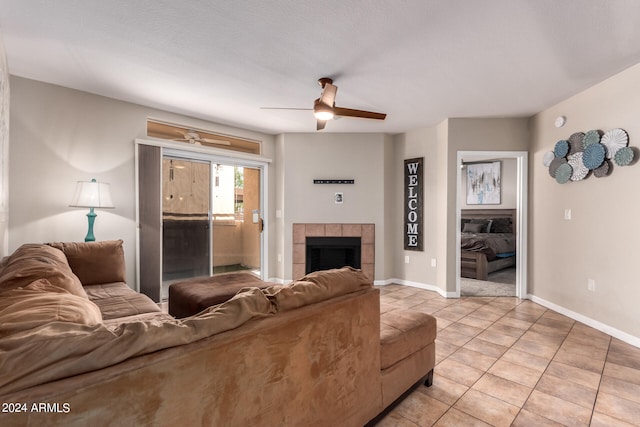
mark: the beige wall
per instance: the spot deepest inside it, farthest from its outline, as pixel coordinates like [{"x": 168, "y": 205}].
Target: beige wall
[
  {"x": 419, "y": 143},
  {"x": 60, "y": 136},
  {"x": 439, "y": 146},
  {"x": 305, "y": 157},
  {"x": 601, "y": 241}
]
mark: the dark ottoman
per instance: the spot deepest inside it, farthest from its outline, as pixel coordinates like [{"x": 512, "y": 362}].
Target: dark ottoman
[{"x": 191, "y": 296}]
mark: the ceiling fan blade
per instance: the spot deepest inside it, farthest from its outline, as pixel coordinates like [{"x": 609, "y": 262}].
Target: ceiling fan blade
[
  {"x": 321, "y": 124},
  {"x": 328, "y": 96},
  {"x": 349, "y": 112},
  {"x": 285, "y": 108},
  {"x": 215, "y": 141}
]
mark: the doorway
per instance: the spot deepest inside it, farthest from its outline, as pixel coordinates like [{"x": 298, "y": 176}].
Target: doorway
[{"x": 515, "y": 266}]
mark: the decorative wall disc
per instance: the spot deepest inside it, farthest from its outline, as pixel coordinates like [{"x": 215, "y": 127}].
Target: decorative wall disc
[
  {"x": 555, "y": 164},
  {"x": 624, "y": 156},
  {"x": 613, "y": 140},
  {"x": 603, "y": 170},
  {"x": 575, "y": 142},
  {"x": 579, "y": 169},
  {"x": 591, "y": 137},
  {"x": 547, "y": 158},
  {"x": 593, "y": 155},
  {"x": 563, "y": 174},
  {"x": 562, "y": 148},
  {"x": 575, "y": 158}
]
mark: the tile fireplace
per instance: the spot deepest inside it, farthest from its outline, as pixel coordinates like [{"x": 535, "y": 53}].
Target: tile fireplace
[{"x": 351, "y": 235}]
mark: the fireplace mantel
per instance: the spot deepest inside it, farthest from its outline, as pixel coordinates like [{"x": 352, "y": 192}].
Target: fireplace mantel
[{"x": 365, "y": 231}]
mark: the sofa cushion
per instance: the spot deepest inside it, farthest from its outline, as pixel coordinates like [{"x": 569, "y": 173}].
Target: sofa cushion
[
  {"x": 73, "y": 349},
  {"x": 119, "y": 300},
  {"x": 317, "y": 286},
  {"x": 31, "y": 262},
  {"x": 41, "y": 303},
  {"x": 95, "y": 262},
  {"x": 402, "y": 333}
]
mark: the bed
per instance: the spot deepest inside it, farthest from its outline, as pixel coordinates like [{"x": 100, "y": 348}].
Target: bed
[{"x": 487, "y": 242}]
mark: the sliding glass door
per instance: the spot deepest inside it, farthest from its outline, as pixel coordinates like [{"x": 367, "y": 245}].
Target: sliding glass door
[
  {"x": 198, "y": 214},
  {"x": 236, "y": 219},
  {"x": 211, "y": 219},
  {"x": 186, "y": 200}
]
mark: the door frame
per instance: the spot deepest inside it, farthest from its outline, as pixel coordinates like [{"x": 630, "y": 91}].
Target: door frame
[
  {"x": 216, "y": 155},
  {"x": 521, "y": 212}
]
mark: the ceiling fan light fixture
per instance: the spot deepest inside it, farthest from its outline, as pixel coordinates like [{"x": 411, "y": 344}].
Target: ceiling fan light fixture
[{"x": 322, "y": 111}]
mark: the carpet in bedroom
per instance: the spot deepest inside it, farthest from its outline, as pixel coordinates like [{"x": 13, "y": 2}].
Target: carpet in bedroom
[{"x": 500, "y": 284}]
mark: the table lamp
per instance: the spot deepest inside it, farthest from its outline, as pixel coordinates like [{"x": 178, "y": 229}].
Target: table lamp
[{"x": 92, "y": 194}]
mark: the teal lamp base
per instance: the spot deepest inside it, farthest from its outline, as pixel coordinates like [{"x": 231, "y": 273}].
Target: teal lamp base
[{"x": 92, "y": 217}]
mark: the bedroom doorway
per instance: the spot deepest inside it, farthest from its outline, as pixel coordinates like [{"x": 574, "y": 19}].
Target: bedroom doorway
[{"x": 495, "y": 266}]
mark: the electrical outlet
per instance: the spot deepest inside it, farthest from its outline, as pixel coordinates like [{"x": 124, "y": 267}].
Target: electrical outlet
[
  {"x": 406, "y": 259},
  {"x": 591, "y": 285},
  {"x": 279, "y": 257}
]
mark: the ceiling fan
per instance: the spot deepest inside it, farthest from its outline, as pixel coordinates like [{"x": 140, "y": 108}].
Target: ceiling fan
[
  {"x": 193, "y": 137},
  {"x": 324, "y": 108}
]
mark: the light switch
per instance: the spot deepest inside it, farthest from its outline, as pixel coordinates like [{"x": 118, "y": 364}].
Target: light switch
[{"x": 567, "y": 214}]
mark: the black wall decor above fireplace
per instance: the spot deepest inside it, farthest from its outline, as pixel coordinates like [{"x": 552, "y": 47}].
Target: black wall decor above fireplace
[{"x": 324, "y": 253}]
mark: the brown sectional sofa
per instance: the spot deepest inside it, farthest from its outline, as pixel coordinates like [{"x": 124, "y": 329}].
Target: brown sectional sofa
[{"x": 85, "y": 349}]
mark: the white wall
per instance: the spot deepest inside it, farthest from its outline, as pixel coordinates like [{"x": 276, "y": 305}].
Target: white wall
[
  {"x": 305, "y": 157},
  {"x": 60, "y": 136},
  {"x": 601, "y": 241}
]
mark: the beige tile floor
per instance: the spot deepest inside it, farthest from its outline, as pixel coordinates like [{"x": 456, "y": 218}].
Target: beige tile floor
[{"x": 503, "y": 361}]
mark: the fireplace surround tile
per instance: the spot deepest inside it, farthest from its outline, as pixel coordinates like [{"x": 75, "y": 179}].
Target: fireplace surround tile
[
  {"x": 365, "y": 231},
  {"x": 333, "y": 230},
  {"x": 315, "y": 230},
  {"x": 299, "y": 233},
  {"x": 352, "y": 230}
]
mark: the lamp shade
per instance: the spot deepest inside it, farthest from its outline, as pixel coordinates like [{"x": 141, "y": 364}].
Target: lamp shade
[{"x": 92, "y": 194}]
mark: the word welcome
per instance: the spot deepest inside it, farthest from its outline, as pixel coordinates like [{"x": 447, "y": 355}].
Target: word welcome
[{"x": 413, "y": 204}]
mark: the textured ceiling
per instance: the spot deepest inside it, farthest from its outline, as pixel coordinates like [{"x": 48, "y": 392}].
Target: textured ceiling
[{"x": 419, "y": 61}]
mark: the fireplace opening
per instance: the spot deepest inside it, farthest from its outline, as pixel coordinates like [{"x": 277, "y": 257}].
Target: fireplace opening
[{"x": 324, "y": 253}]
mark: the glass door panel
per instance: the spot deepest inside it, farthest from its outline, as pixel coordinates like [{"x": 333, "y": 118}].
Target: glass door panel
[
  {"x": 186, "y": 190},
  {"x": 236, "y": 218}
]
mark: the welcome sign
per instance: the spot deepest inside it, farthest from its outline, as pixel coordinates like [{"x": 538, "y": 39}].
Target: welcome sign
[{"x": 413, "y": 173}]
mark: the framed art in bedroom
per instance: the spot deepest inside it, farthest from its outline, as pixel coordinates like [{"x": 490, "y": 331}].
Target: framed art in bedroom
[{"x": 483, "y": 183}]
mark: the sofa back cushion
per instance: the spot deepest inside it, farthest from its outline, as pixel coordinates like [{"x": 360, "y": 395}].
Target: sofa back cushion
[
  {"x": 95, "y": 262},
  {"x": 31, "y": 262},
  {"x": 41, "y": 303},
  {"x": 317, "y": 286}
]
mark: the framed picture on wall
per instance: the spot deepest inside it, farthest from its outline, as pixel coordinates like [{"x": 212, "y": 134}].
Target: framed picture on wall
[{"x": 483, "y": 183}]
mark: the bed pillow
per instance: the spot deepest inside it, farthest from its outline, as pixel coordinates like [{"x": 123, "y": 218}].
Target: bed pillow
[
  {"x": 473, "y": 228},
  {"x": 501, "y": 225},
  {"x": 486, "y": 224}
]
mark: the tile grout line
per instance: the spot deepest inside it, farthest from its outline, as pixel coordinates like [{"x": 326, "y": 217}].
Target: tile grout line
[{"x": 487, "y": 370}]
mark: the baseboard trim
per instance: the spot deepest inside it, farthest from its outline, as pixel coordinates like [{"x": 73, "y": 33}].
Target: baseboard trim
[
  {"x": 416, "y": 285},
  {"x": 602, "y": 327}
]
